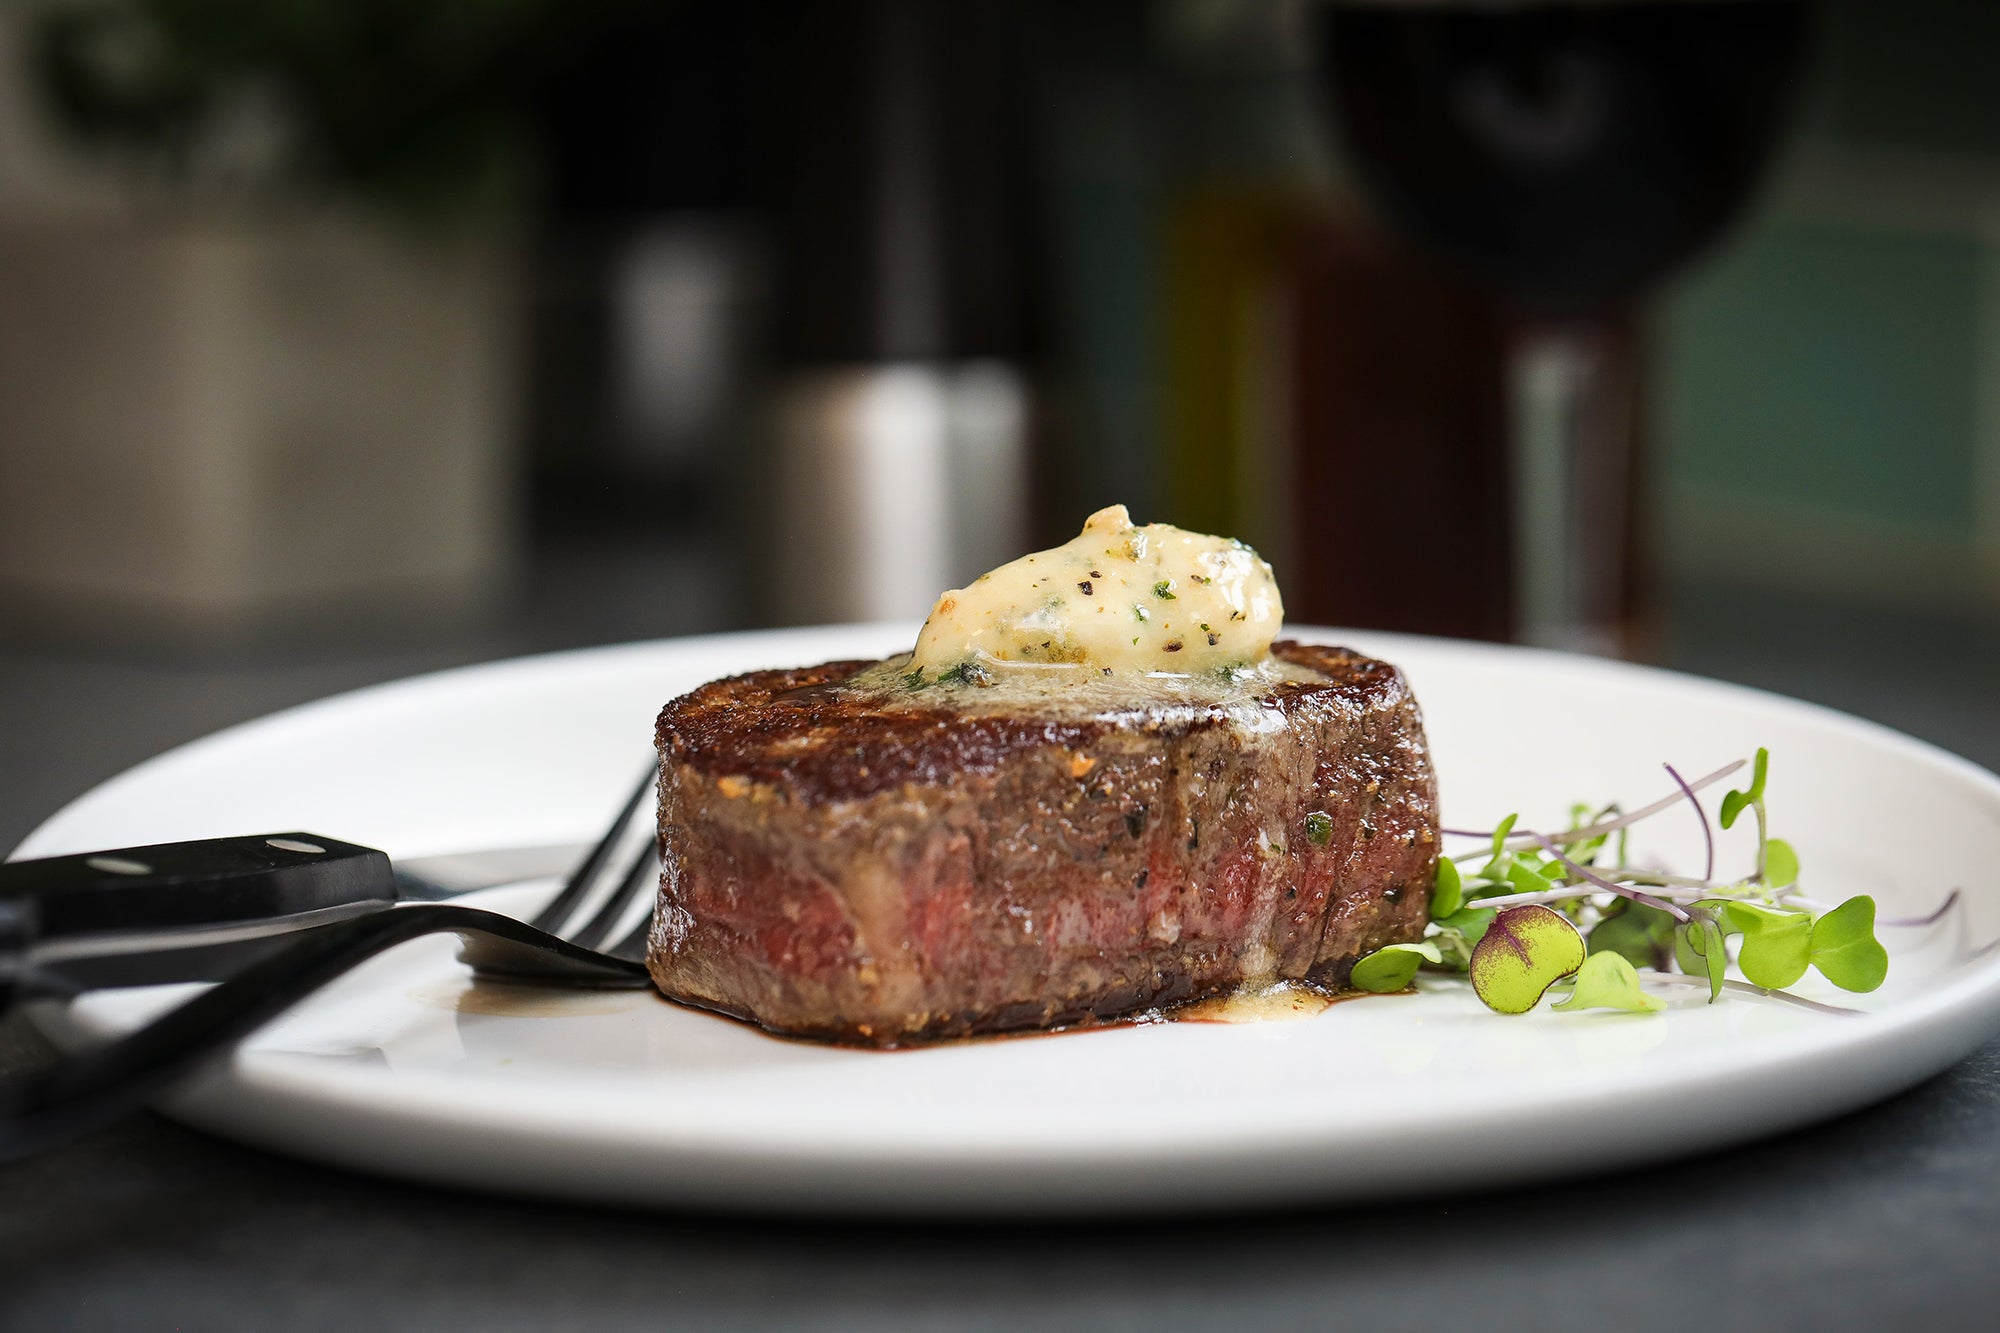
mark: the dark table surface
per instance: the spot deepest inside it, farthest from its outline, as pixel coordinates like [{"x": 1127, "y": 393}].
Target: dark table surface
[{"x": 1887, "y": 1217}]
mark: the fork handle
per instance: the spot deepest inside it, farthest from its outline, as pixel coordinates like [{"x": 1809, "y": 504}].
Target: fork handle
[{"x": 83, "y": 1092}]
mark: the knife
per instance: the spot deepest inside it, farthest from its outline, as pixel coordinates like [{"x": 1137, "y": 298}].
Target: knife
[{"x": 200, "y": 910}]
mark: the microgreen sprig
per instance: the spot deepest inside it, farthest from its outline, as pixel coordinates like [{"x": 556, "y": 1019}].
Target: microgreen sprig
[
  {"x": 1553, "y": 911},
  {"x": 1777, "y": 863}
]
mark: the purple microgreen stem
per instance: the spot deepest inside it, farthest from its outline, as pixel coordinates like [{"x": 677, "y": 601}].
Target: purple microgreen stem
[
  {"x": 1707, "y": 834},
  {"x": 1533, "y": 899},
  {"x": 1590, "y": 876},
  {"x": 1674, "y": 888},
  {"x": 1742, "y": 891},
  {"x": 1526, "y": 839},
  {"x": 1763, "y": 992},
  {"x": 1693, "y": 894},
  {"x": 1950, "y": 901},
  {"x": 1665, "y": 881}
]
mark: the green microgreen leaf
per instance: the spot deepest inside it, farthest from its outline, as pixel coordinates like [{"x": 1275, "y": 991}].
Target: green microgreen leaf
[
  {"x": 1458, "y": 934},
  {"x": 1523, "y": 952},
  {"x": 1607, "y": 981},
  {"x": 1643, "y": 936},
  {"x": 1781, "y": 863},
  {"x": 1533, "y": 876},
  {"x": 1776, "y": 945},
  {"x": 1448, "y": 893},
  {"x": 1500, "y": 832},
  {"x": 1844, "y": 947},
  {"x": 1736, "y": 802},
  {"x": 1470, "y": 923},
  {"x": 1393, "y": 966},
  {"x": 1700, "y": 950},
  {"x": 1584, "y": 851},
  {"x": 1319, "y": 828}
]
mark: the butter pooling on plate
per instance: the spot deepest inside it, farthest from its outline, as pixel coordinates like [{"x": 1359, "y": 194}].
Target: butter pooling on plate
[{"x": 1119, "y": 598}]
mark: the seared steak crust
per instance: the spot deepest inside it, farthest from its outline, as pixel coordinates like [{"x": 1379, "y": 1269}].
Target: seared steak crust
[{"x": 875, "y": 868}]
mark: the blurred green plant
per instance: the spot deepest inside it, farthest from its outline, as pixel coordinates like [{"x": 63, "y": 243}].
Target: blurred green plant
[{"x": 427, "y": 108}]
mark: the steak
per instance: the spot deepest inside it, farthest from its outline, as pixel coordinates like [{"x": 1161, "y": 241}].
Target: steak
[{"x": 882, "y": 866}]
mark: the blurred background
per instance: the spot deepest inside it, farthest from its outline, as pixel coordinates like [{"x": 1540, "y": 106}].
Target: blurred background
[{"x": 345, "y": 338}]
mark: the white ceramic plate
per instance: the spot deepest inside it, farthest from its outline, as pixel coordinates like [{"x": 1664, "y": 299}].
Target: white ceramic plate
[{"x": 629, "y": 1098}]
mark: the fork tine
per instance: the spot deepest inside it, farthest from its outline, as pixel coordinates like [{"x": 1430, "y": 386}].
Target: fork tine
[
  {"x": 643, "y": 868},
  {"x": 559, "y": 908}
]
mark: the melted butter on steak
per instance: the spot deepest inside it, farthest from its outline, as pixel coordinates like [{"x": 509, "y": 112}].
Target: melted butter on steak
[
  {"x": 1069, "y": 692},
  {"x": 851, "y": 859}
]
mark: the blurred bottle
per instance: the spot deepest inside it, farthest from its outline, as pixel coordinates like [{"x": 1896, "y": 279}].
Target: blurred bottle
[{"x": 1395, "y": 421}]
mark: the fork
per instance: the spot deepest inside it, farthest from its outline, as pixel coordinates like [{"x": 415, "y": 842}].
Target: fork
[{"x": 561, "y": 945}]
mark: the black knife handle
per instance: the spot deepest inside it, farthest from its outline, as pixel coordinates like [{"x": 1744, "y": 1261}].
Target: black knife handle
[{"x": 173, "y": 886}]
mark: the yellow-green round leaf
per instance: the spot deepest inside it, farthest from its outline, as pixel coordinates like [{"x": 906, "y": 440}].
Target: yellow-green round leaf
[
  {"x": 1607, "y": 981},
  {"x": 1524, "y": 952}
]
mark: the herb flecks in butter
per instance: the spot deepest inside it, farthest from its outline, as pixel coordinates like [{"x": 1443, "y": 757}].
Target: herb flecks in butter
[{"x": 1200, "y": 604}]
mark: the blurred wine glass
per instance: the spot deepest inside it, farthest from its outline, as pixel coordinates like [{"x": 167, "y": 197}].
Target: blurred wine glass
[{"x": 1572, "y": 154}]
